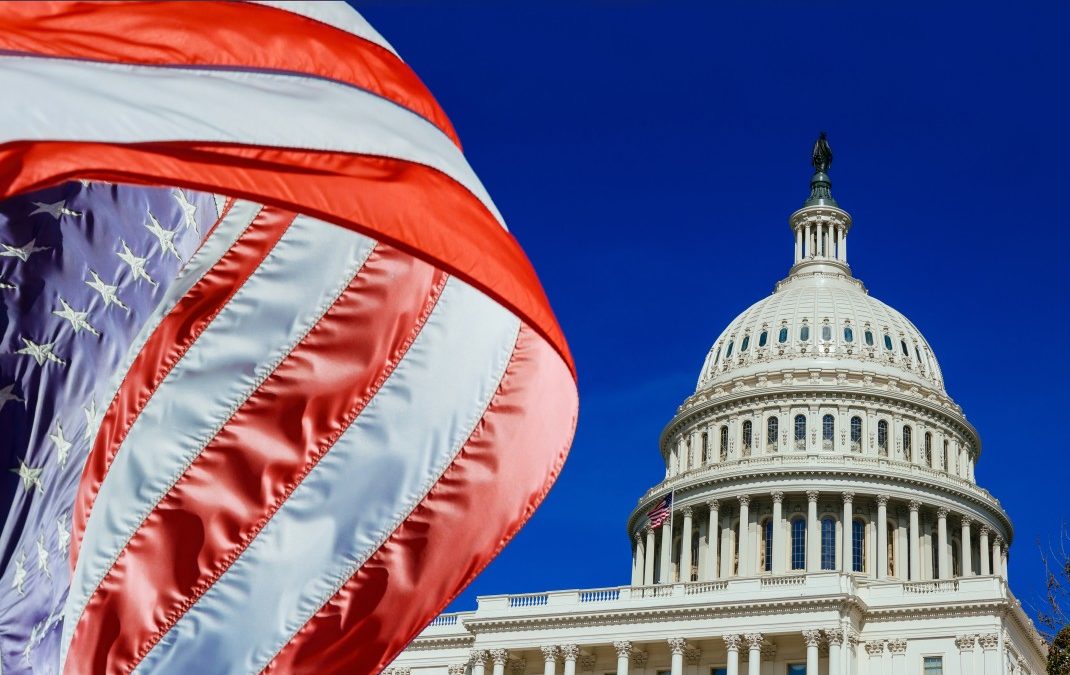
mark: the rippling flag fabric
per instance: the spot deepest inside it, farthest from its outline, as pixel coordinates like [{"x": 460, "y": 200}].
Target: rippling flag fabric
[{"x": 278, "y": 431}]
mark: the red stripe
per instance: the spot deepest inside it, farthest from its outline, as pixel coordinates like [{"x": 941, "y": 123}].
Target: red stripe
[
  {"x": 220, "y": 34},
  {"x": 410, "y": 206},
  {"x": 250, "y": 468},
  {"x": 484, "y": 497},
  {"x": 176, "y": 332}
]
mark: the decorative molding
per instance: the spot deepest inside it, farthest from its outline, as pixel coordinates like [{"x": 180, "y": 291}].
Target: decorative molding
[
  {"x": 677, "y": 646},
  {"x": 965, "y": 642},
  {"x": 458, "y": 668},
  {"x": 549, "y": 652},
  {"x": 692, "y": 656},
  {"x": 569, "y": 652},
  {"x": 499, "y": 656},
  {"x": 812, "y": 638},
  {"x": 834, "y": 637},
  {"x": 754, "y": 640},
  {"x": 623, "y": 648},
  {"x": 898, "y": 646},
  {"x": 587, "y": 662},
  {"x": 477, "y": 656},
  {"x": 640, "y": 659},
  {"x": 989, "y": 641},
  {"x": 732, "y": 642},
  {"x": 875, "y": 648}
]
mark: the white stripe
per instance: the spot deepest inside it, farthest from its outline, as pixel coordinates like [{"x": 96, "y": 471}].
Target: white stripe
[
  {"x": 298, "y": 281},
  {"x": 119, "y": 103},
  {"x": 337, "y": 14},
  {"x": 369, "y": 482}
]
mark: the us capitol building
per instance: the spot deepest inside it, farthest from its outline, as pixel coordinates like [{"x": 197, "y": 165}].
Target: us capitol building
[{"x": 824, "y": 513}]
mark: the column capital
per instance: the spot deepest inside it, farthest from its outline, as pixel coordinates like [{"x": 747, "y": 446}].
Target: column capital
[
  {"x": 713, "y": 504},
  {"x": 687, "y": 511},
  {"x": 692, "y": 655},
  {"x": 965, "y": 643},
  {"x": 812, "y": 495},
  {"x": 638, "y": 536},
  {"x": 499, "y": 656},
  {"x": 640, "y": 659},
  {"x": 875, "y": 647},
  {"x": 778, "y": 496},
  {"x": 457, "y": 668},
  {"x": 848, "y": 497},
  {"x": 834, "y": 637},
  {"x": 549, "y": 652},
  {"x": 744, "y": 500},
  {"x": 989, "y": 641},
  {"x": 999, "y": 540},
  {"x": 914, "y": 505},
  {"x": 812, "y": 638},
  {"x": 623, "y": 648},
  {"x": 942, "y": 512},
  {"x": 677, "y": 645},
  {"x": 520, "y": 666},
  {"x": 897, "y": 646},
  {"x": 569, "y": 652},
  {"x": 732, "y": 642},
  {"x": 966, "y": 521},
  {"x": 984, "y": 530},
  {"x": 478, "y": 656},
  {"x": 882, "y": 500},
  {"x": 754, "y": 640}
]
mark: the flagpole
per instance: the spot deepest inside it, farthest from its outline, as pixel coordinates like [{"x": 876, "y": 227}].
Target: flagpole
[{"x": 672, "y": 512}]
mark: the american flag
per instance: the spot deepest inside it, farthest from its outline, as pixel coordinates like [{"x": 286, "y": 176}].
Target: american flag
[
  {"x": 661, "y": 512},
  {"x": 311, "y": 412}
]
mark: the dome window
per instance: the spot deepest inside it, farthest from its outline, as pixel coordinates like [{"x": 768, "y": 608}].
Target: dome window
[
  {"x": 748, "y": 437},
  {"x": 828, "y": 431},
  {"x": 804, "y": 333},
  {"x": 903, "y": 346},
  {"x": 908, "y": 449},
  {"x": 826, "y": 332},
  {"x": 724, "y": 443},
  {"x": 772, "y": 428},
  {"x": 728, "y": 354},
  {"x": 858, "y": 546},
  {"x": 745, "y": 344},
  {"x": 921, "y": 361},
  {"x": 800, "y": 432},
  {"x": 929, "y": 449},
  {"x": 869, "y": 337},
  {"x": 763, "y": 338},
  {"x": 783, "y": 337},
  {"x": 944, "y": 464},
  {"x": 798, "y": 543},
  {"x": 767, "y": 545},
  {"x": 856, "y": 434},
  {"x": 828, "y": 543},
  {"x": 718, "y": 357},
  {"x": 887, "y": 343},
  {"x": 882, "y": 438},
  {"x": 848, "y": 334}
]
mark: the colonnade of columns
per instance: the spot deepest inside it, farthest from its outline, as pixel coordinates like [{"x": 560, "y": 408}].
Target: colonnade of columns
[
  {"x": 821, "y": 238},
  {"x": 749, "y": 535}
]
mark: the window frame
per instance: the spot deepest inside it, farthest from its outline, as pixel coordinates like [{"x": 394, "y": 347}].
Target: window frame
[
  {"x": 800, "y": 432},
  {"x": 856, "y": 442},
  {"x": 798, "y": 543},
  {"x": 828, "y": 543},
  {"x": 858, "y": 545}
]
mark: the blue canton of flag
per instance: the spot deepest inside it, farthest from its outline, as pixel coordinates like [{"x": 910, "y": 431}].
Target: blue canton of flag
[{"x": 82, "y": 266}]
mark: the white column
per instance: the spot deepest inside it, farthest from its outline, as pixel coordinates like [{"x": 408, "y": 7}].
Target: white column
[
  {"x": 990, "y": 645},
  {"x": 984, "y": 551},
  {"x": 882, "y": 536},
  {"x": 835, "y": 640},
  {"x": 915, "y": 542},
  {"x": 499, "y": 656},
  {"x": 813, "y": 640},
  {"x": 798, "y": 245},
  {"x": 813, "y": 534},
  {"x": 732, "y": 643},
  {"x": 479, "y": 661},
  {"x": 677, "y": 647},
  {"x": 768, "y": 659},
  {"x": 569, "y": 654},
  {"x": 778, "y": 533},
  {"x": 808, "y": 245},
  {"x": 714, "y": 538},
  {"x": 965, "y": 644},
  {"x": 648, "y": 563},
  {"x": 693, "y": 656},
  {"x": 875, "y": 657},
  {"x": 999, "y": 557},
  {"x": 942, "y": 565},
  {"x": 754, "y": 653},
  {"x": 843, "y": 245},
  {"x": 898, "y": 648},
  {"x": 966, "y": 555},
  {"x": 638, "y": 557},
  {"x": 666, "y": 552},
  {"x": 846, "y": 530},
  {"x": 685, "y": 547},
  {"x": 624, "y": 649},
  {"x": 549, "y": 655},
  {"x": 744, "y": 527}
]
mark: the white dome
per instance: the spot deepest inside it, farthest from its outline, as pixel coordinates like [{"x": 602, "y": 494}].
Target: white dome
[{"x": 821, "y": 318}]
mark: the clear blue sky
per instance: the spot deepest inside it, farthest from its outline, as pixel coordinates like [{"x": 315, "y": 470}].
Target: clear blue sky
[{"x": 647, "y": 155}]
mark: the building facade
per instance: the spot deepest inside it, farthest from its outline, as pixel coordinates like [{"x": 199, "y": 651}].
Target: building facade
[{"x": 823, "y": 516}]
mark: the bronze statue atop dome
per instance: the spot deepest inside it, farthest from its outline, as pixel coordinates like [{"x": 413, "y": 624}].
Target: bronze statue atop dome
[{"x": 822, "y": 157}]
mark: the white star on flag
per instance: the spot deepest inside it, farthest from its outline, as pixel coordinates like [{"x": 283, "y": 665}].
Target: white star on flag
[
  {"x": 189, "y": 210},
  {"x": 90, "y": 419},
  {"x": 63, "y": 446},
  {"x": 42, "y": 557},
  {"x": 19, "y": 579},
  {"x": 166, "y": 237},
  {"x": 55, "y": 209},
  {"x": 75, "y": 318},
  {"x": 40, "y": 352},
  {"x": 136, "y": 264},
  {"x": 6, "y": 395},
  {"x": 23, "y": 252},
  {"x": 106, "y": 292},
  {"x": 31, "y": 477},
  {"x": 4, "y": 286},
  {"x": 63, "y": 533}
]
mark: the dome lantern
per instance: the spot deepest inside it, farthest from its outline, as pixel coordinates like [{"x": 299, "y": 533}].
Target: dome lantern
[{"x": 820, "y": 226}]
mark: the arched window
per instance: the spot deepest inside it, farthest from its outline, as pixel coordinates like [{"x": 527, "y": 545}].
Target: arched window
[
  {"x": 944, "y": 464},
  {"x": 903, "y": 346},
  {"x": 826, "y": 332},
  {"x": 848, "y": 334},
  {"x": 869, "y": 337},
  {"x": 928, "y": 449},
  {"x": 771, "y": 430},
  {"x": 718, "y": 357},
  {"x": 705, "y": 447},
  {"x": 745, "y": 344},
  {"x": 724, "y": 443},
  {"x": 748, "y": 437},
  {"x": 890, "y": 546},
  {"x": 858, "y": 546},
  {"x": 767, "y": 545},
  {"x": 934, "y": 553},
  {"x": 921, "y": 362},
  {"x": 856, "y": 434},
  {"x": 798, "y": 544},
  {"x": 828, "y": 431},
  {"x": 882, "y": 438},
  {"x": 783, "y": 336},
  {"x": 956, "y": 562},
  {"x": 804, "y": 333},
  {"x": 800, "y": 432},
  {"x": 828, "y": 543},
  {"x": 728, "y": 354},
  {"x": 908, "y": 448},
  {"x": 763, "y": 338},
  {"x": 887, "y": 343}
]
